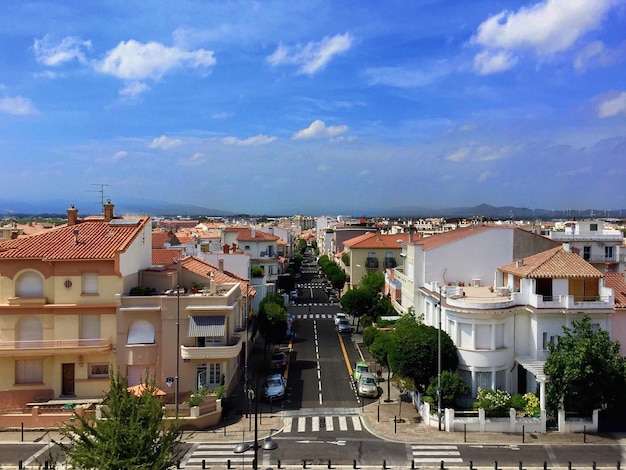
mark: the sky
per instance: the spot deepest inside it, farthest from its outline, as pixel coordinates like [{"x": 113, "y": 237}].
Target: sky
[{"x": 315, "y": 105}]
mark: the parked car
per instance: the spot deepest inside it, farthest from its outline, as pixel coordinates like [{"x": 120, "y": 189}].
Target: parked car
[
  {"x": 359, "y": 368},
  {"x": 340, "y": 316},
  {"x": 279, "y": 359},
  {"x": 367, "y": 385},
  {"x": 332, "y": 298},
  {"x": 344, "y": 327},
  {"x": 275, "y": 386}
]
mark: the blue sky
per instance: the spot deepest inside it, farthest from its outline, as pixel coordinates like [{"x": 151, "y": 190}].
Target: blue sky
[{"x": 311, "y": 106}]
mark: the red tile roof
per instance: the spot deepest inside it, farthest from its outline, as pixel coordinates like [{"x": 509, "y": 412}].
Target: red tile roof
[
  {"x": 165, "y": 256},
  {"x": 160, "y": 238},
  {"x": 88, "y": 239},
  {"x": 554, "y": 263},
  {"x": 617, "y": 282},
  {"x": 245, "y": 234},
  {"x": 203, "y": 269},
  {"x": 439, "y": 239},
  {"x": 373, "y": 240}
]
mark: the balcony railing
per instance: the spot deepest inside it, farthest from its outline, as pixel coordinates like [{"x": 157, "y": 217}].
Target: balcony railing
[
  {"x": 50, "y": 346},
  {"x": 215, "y": 351},
  {"x": 371, "y": 263}
]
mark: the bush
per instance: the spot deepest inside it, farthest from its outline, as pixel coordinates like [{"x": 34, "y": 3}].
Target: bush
[
  {"x": 533, "y": 406},
  {"x": 198, "y": 397},
  {"x": 369, "y": 335},
  {"x": 496, "y": 403},
  {"x": 518, "y": 402}
]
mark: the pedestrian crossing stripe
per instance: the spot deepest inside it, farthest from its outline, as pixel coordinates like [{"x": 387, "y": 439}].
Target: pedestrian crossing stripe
[
  {"x": 424, "y": 453},
  {"x": 325, "y": 422},
  {"x": 216, "y": 453}
]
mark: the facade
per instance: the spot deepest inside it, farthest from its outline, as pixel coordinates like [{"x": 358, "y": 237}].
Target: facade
[
  {"x": 57, "y": 305},
  {"x": 594, "y": 242},
  {"x": 262, "y": 248},
  {"x": 206, "y": 327}
]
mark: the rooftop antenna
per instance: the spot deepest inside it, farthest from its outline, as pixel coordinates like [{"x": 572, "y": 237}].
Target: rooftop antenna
[{"x": 101, "y": 191}]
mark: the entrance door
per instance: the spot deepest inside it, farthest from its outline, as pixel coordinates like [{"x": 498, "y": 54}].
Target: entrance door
[{"x": 68, "y": 380}]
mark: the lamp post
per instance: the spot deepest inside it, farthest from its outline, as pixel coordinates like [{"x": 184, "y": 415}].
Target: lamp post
[
  {"x": 176, "y": 386},
  {"x": 439, "y": 364},
  {"x": 268, "y": 442},
  {"x": 245, "y": 353}
]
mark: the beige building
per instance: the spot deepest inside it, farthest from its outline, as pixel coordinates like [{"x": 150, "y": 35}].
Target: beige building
[{"x": 57, "y": 305}]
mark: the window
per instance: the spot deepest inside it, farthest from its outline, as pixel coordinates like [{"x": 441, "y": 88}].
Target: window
[
  {"x": 501, "y": 380},
  {"x": 208, "y": 375},
  {"x": 608, "y": 252},
  {"x": 483, "y": 337},
  {"x": 499, "y": 336},
  {"x": 29, "y": 332},
  {"x": 29, "y": 285},
  {"x": 466, "y": 335},
  {"x": 141, "y": 332},
  {"x": 586, "y": 253},
  {"x": 98, "y": 371},
  {"x": 483, "y": 380},
  {"x": 29, "y": 371},
  {"x": 89, "y": 326},
  {"x": 89, "y": 283},
  {"x": 452, "y": 330},
  {"x": 544, "y": 341},
  {"x": 593, "y": 227}
]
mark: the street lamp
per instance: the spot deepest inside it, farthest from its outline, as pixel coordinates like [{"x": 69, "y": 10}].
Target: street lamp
[
  {"x": 176, "y": 386},
  {"x": 268, "y": 442},
  {"x": 439, "y": 364}
]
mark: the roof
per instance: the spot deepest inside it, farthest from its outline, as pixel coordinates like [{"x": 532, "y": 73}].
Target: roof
[
  {"x": 160, "y": 238},
  {"x": 553, "y": 263},
  {"x": 204, "y": 269},
  {"x": 373, "y": 240},
  {"x": 90, "y": 239},
  {"x": 165, "y": 256},
  {"x": 246, "y": 234},
  {"x": 439, "y": 239},
  {"x": 617, "y": 282}
]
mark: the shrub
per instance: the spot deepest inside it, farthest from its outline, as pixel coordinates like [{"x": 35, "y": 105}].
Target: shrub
[
  {"x": 198, "y": 397},
  {"x": 533, "y": 406},
  {"x": 496, "y": 403},
  {"x": 519, "y": 403}
]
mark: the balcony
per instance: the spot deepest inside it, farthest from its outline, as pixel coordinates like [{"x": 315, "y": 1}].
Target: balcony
[
  {"x": 27, "y": 301},
  {"x": 371, "y": 263},
  {"x": 217, "y": 351},
  {"x": 50, "y": 347}
]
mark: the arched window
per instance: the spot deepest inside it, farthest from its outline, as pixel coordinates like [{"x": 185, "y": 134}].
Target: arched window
[
  {"x": 29, "y": 284},
  {"x": 141, "y": 332}
]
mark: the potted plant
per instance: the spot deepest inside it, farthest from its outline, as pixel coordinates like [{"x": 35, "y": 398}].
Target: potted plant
[{"x": 195, "y": 286}]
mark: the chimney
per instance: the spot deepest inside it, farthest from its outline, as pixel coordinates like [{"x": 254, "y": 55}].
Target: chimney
[
  {"x": 519, "y": 263},
  {"x": 72, "y": 215},
  {"x": 108, "y": 211},
  {"x": 377, "y": 235},
  {"x": 220, "y": 263},
  {"x": 226, "y": 249},
  {"x": 213, "y": 287},
  {"x": 253, "y": 233}
]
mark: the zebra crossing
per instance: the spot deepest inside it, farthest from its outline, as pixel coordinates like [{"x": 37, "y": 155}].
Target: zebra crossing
[
  {"x": 314, "y": 316},
  {"x": 435, "y": 453},
  {"x": 207, "y": 455},
  {"x": 301, "y": 424}
]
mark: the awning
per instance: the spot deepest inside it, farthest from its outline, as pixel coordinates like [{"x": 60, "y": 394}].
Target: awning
[
  {"x": 203, "y": 326},
  {"x": 533, "y": 366}
]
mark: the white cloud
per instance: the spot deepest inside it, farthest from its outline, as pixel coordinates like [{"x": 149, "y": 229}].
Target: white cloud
[
  {"x": 488, "y": 62},
  {"x": 313, "y": 56},
  {"x": 402, "y": 77},
  {"x": 613, "y": 106},
  {"x": 17, "y": 106},
  {"x": 133, "y": 60},
  {"x": 459, "y": 155},
  {"x": 119, "y": 155},
  {"x": 485, "y": 175},
  {"x": 547, "y": 27},
  {"x": 596, "y": 54},
  {"x": 70, "y": 48},
  {"x": 133, "y": 89},
  {"x": 196, "y": 159},
  {"x": 165, "y": 143},
  {"x": 254, "y": 140},
  {"x": 318, "y": 129}
]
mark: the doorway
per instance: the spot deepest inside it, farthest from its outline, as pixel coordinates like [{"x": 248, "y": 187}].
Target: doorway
[{"x": 68, "y": 380}]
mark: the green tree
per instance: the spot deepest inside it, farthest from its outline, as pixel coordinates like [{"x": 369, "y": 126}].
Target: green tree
[
  {"x": 380, "y": 351},
  {"x": 414, "y": 351},
  {"x": 453, "y": 388},
  {"x": 373, "y": 281},
  {"x": 133, "y": 434},
  {"x": 585, "y": 369},
  {"x": 272, "y": 319},
  {"x": 338, "y": 280},
  {"x": 357, "y": 302}
]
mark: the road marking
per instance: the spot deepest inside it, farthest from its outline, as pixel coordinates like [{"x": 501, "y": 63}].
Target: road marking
[
  {"x": 287, "y": 423},
  {"x": 315, "y": 423},
  {"x": 329, "y": 423},
  {"x": 356, "y": 423},
  {"x": 302, "y": 424},
  {"x": 343, "y": 423}
]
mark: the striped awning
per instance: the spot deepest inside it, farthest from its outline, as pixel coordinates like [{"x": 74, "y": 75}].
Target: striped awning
[{"x": 203, "y": 326}]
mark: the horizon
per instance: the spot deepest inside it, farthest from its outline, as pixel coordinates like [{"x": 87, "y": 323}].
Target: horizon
[{"x": 371, "y": 106}]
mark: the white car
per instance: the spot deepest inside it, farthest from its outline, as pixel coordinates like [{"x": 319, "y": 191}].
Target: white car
[
  {"x": 367, "y": 385},
  {"x": 340, "y": 316},
  {"x": 275, "y": 386}
]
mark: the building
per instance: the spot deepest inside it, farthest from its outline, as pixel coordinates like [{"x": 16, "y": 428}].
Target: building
[{"x": 58, "y": 290}]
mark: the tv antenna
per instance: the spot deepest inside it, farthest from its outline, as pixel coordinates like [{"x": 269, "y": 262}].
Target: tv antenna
[{"x": 101, "y": 191}]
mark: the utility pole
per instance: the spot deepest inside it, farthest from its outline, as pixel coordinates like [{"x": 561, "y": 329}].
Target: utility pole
[{"x": 101, "y": 191}]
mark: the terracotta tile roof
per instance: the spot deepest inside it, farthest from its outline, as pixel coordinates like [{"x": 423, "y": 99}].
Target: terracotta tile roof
[
  {"x": 165, "y": 256},
  {"x": 373, "y": 240},
  {"x": 617, "y": 282},
  {"x": 439, "y": 239},
  {"x": 201, "y": 268},
  {"x": 184, "y": 238},
  {"x": 88, "y": 239},
  {"x": 245, "y": 234},
  {"x": 160, "y": 238},
  {"x": 553, "y": 263}
]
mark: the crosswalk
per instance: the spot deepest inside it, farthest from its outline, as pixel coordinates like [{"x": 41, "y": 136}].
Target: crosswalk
[
  {"x": 314, "y": 316},
  {"x": 434, "y": 453},
  {"x": 301, "y": 424},
  {"x": 207, "y": 455},
  {"x": 212, "y": 455}
]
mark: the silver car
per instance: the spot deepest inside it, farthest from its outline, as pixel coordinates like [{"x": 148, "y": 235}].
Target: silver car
[
  {"x": 344, "y": 326},
  {"x": 367, "y": 385}
]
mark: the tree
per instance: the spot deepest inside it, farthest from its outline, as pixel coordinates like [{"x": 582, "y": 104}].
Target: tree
[
  {"x": 453, "y": 388},
  {"x": 356, "y": 302},
  {"x": 373, "y": 281},
  {"x": 585, "y": 369},
  {"x": 272, "y": 318},
  {"x": 133, "y": 434},
  {"x": 380, "y": 351},
  {"x": 414, "y": 351}
]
